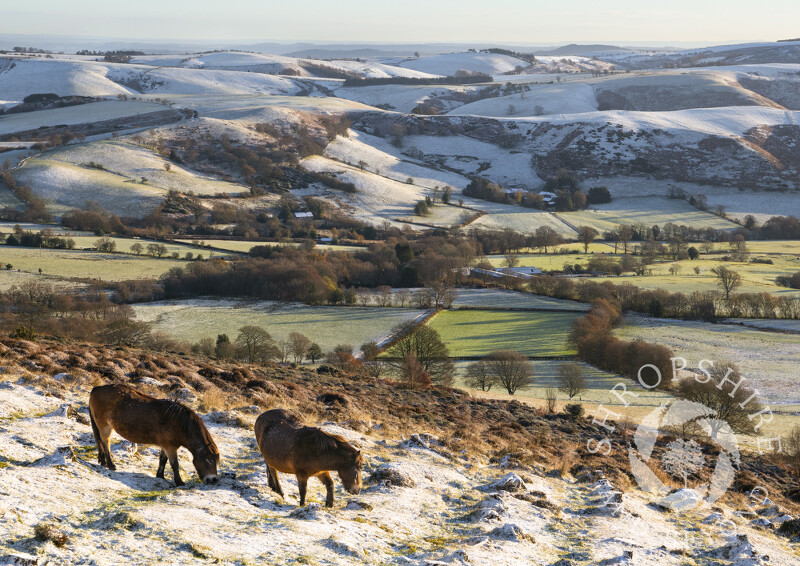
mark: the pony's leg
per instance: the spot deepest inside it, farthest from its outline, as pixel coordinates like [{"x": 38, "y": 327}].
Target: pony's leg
[
  {"x": 101, "y": 455},
  {"x": 273, "y": 479},
  {"x": 172, "y": 454},
  {"x": 302, "y": 484},
  {"x": 105, "y": 440},
  {"x": 162, "y": 464},
  {"x": 326, "y": 480}
]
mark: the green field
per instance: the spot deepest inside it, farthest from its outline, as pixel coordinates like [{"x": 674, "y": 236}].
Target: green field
[
  {"x": 756, "y": 277},
  {"x": 124, "y": 246},
  {"x": 328, "y": 326},
  {"x": 479, "y": 332},
  {"x": 85, "y": 264},
  {"x": 502, "y": 299}
]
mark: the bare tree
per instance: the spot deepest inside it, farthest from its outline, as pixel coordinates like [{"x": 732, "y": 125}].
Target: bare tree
[
  {"x": 428, "y": 349},
  {"x": 550, "y": 399},
  {"x": 413, "y": 374},
  {"x": 442, "y": 294},
  {"x": 727, "y": 279},
  {"x": 511, "y": 369},
  {"x": 364, "y": 296},
  {"x": 402, "y": 296},
  {"x": 732, "y": 405},
  {"x": 256, "y": 344},
  {"x": 384, "y": 295},
  {"x": 545, "y": 237},
  {"x": 791, "y": 448},
  {"x": 479, "y": 377},
  {"x": 299, "y": 346},
  {"x": 512, "y": 260},
  {"x": 372, "y": 366},
  {"x": 571, "y": 379},
  {"x": 586, "y": 235},
  {"x": 625, "y": 233}
]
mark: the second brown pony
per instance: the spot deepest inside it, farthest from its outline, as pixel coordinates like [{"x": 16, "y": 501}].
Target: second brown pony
[
  {"x": 146, "y": 420},
  {"x": 291, "y": 448}
]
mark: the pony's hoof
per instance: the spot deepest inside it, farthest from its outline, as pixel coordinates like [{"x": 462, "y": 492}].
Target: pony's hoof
[{"x": 112, "y": 467}]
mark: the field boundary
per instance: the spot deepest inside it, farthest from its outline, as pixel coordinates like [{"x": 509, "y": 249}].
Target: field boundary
[
  {"x": 417, "y": 322},
  {"x": 520, "y": 309},
  {"x": 478, "y": 358}
]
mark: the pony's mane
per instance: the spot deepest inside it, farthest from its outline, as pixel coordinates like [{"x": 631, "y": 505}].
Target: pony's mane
[
  {"x": 189, "y": 423},
  {"x": 323, "y": 441}
]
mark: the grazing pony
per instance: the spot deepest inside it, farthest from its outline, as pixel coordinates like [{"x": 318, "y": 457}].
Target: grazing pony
[
  {"x": 305, "y": 451},
  {"x": 146, "y": 420}
]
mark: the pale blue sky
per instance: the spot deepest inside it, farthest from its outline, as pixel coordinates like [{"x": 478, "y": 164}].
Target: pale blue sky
[{"x": 510, "y": 21}]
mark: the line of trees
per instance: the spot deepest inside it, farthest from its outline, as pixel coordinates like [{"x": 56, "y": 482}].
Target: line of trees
[
  {"x": 708, "y": 306},
  {"x": 505, "y": 368},
  {"x": 592, "y": 336}
]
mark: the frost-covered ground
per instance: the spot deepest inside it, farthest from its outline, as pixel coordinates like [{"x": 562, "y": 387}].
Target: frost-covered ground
[
  {"x": 83, "y": 113},
  {"x": 768, "y": 360},
  {"x": 195, "y": 319},
  {"x": 420, "y": 505}
]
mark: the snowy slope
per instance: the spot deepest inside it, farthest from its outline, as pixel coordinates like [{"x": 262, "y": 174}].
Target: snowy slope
[
  {"x": 134, "y": 162},
  {"x": 83, "y": 113},
  {"x": 730, "y": 121},
  {"x": 450, "y": 63},
  {"x": 274, "y": 64},
  {"x": 571, "y": 98},
  {"x": 61, "y": 77},
  {"x": 166, "y": 80}
]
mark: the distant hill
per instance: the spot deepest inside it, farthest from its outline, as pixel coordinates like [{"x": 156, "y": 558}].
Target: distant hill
[
  {"x": 322, "y": 53},
  {"x": 575, "y": 49}
]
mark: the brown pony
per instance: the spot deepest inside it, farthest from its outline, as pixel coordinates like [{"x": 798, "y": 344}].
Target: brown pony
[
  {"x": 305, "y": 451},
  {"x": 146, "y": 420}
]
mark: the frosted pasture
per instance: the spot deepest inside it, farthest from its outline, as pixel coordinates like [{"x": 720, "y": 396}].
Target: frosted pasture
[
  {"x": 328, "y": 326},
  {"x": 768, "y": 360}
]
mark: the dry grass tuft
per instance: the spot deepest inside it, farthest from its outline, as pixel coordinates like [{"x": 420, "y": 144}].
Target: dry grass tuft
[
  {"x": 49, "y": 531},
  {"x": 214, "y": 399}
]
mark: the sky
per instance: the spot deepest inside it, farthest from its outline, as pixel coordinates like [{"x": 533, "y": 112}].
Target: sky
[{"x": 410, "y": 21}]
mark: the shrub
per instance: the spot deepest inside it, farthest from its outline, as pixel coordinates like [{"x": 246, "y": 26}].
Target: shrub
[
  {"x": 598, "y": 195},
  {"x": 574, "y": 410},
  {"x": 24, "y": 333}
]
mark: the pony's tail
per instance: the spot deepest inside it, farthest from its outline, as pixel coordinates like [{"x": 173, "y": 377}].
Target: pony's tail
[{"x": 95, "y": 430}]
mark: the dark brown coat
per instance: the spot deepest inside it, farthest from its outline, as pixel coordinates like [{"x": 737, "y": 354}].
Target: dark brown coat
[
  {"x": 146, "y": 420},
  {"x": 291, "y": 448}
]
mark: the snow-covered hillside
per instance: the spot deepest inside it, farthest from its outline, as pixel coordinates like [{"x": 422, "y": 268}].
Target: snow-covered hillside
[
  {"x": 421, "y": 504},
  {"x": 451, "y": 63},
  {"x": 277, "y": 64},
  {"x": 18, "y": 79}
]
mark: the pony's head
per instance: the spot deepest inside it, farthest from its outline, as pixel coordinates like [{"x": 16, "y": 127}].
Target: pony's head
[
  {"x": 350, "y": 472},
  {"x": 205, "y": 454},
  {"x": 205, "y": 462}
]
